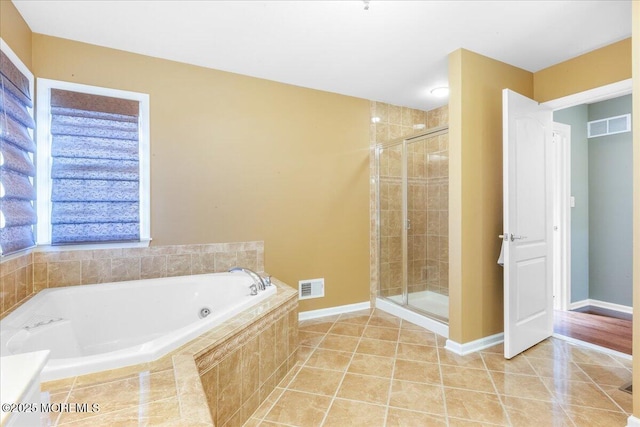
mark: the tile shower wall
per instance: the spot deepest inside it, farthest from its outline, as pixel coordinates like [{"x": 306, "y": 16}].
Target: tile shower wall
[
  {"x": 23, "y": 276},
  {"x": 390, "y": 216},
  {"x": 430, "y": 268},
  {"x": 427, "y": 202}
]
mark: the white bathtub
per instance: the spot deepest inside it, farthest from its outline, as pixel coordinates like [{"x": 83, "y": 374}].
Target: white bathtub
[{"x": 98, "y": 327}]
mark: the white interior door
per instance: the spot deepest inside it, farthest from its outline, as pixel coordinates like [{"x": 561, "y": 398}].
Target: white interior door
[{"x": 528, "y": 222}]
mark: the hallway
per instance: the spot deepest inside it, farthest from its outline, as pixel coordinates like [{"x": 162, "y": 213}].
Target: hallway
[{"x": 596, "y": 327}]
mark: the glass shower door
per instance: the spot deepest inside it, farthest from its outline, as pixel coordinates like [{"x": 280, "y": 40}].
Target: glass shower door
[
  {"x": 390, "y": 219},
  {"x": 427, "y": 243},
  {"x": 413, "y": 223}
]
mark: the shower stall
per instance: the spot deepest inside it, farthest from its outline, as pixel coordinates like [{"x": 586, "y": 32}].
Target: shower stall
[{"x": 412, "y": 225}]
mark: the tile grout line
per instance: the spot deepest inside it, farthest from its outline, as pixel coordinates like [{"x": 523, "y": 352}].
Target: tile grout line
[
  {"x": 542, "y": 379},
  {"x": 537, "y": 373},
  {"x": 592, "y": 381},
  {"x": 444, "y": 395},
  {"x": 276, "y": 423},
  {"x": 599, "y": 388},
  {"x": 315, "y": 348},
  {"x": 284, "y": 389},
  {"x": 66, "y": 399},
  {"x": 495, "y": 388},
  {"x": 116, "y": 412},
  {"x": 393, "y": 372},
  {"x": 335, "y": 394},
  {"x": 529, "y": 362}
]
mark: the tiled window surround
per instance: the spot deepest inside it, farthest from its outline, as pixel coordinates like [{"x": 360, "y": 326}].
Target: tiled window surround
[{"x": 28, "y": 274}]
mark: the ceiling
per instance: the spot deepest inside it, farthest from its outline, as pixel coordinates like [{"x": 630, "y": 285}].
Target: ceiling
[{"x": 395, "y": 52}]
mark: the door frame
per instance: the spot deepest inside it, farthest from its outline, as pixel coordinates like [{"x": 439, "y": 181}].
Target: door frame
[
  {"x": 562, "y": 290},
  {"x": 561, "y": 216}
]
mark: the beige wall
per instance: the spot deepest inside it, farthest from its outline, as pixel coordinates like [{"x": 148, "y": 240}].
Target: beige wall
[
  {"x": 600, "y": 67},
  {"x": 636, "y": 200},
  {"x": 475, "y": 190},
  {"x": 476, "y": 169},
  {"x": 235, "y": 158},
  {"x": 15, "y": 31}
]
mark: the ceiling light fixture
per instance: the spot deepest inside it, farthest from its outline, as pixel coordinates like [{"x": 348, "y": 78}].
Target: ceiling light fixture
[{"x": 440, "y": 91}]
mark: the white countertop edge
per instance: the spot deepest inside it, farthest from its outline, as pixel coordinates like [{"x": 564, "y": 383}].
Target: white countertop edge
[{"x": 17, "y": 374}]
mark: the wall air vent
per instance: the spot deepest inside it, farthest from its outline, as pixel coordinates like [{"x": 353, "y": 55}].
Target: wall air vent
[
  {"x": 312, "y": 288},
  {"x": 609, "y": 126}
]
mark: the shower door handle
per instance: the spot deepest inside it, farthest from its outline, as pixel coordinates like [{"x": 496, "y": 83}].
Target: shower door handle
[{"x": 408, "y": 224}]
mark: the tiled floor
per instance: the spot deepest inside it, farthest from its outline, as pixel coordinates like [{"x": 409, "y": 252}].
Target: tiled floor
[{"x": 362, "y": 369}]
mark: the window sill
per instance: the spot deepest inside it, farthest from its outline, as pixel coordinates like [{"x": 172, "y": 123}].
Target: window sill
[
  {"x": 144, "y": 243},
  {"x": 18, "y": 254}
]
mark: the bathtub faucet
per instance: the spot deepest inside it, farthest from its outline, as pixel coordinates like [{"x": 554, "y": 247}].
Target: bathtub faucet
[{"x": 259, "y": 281}]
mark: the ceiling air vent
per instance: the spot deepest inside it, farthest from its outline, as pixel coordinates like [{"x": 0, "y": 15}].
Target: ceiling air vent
[
  {"x": 609, "y": 126},
  {"x": 313, "y": 288}
]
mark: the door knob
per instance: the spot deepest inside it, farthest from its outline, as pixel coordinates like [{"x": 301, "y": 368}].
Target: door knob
[{"x": 513, "y": 237}]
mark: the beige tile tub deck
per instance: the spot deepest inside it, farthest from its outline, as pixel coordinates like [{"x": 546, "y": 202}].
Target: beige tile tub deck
[{"x": 177, "y": 390}]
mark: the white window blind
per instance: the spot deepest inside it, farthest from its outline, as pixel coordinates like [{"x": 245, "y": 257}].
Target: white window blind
[
  {"x": 95, "y": 172},
  {"x": 17, "y": 194}
]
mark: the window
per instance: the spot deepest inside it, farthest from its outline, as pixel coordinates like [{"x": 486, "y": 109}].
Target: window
[
  {"x": 93, "y": 164},
  {"x": 17, "y": 194}
]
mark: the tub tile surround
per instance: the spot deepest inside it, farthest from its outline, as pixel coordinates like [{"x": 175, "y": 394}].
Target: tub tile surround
[
  {"x": 192, "y": 385},
  {"x": 16, "y": 282},
  {"x": 23, "y": 276},
  {"x": 243, "y": 370},
  {"x": 406, "y": 377},
  {"x": 218, "y": 379}
]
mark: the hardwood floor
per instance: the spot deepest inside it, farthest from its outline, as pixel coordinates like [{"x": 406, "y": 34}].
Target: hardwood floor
[
  {"x": 604, "y": 312},
  {"x": 609, "y": 332}
]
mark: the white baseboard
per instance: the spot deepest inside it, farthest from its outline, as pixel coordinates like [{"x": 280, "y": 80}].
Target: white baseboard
[
  {"x": 323, "y": 312},
  {"x": 413, "y": 317},
  {"x": 579, "y": 304},
  {"x": 633, "y": 421},
  {"x": 601, "y": 304},
  {"x": 593, "y": 347},
  {"x": 473, "y": 346}
]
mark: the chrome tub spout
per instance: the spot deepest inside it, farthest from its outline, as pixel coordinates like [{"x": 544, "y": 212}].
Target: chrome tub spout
[{"x": 258, "y": 280}]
